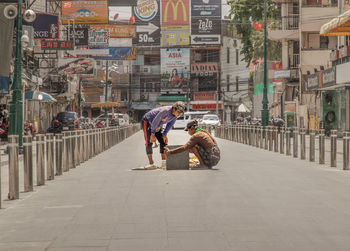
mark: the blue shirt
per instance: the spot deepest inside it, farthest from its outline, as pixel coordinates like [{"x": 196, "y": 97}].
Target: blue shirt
[{"x": 160, "y": 116}]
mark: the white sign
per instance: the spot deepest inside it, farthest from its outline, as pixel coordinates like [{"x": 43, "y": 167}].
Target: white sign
[
  {"x": 282, "y": 74},
  {"x": 206, "y": 39}
]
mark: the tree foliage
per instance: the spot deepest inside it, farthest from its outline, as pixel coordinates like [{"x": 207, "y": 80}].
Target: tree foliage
[{"x": 243, "y": 13}]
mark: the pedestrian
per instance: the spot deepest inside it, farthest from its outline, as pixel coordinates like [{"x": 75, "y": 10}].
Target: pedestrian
[
  {"x": 201, "y": 144},
  {"x": 152, "y": 125}
]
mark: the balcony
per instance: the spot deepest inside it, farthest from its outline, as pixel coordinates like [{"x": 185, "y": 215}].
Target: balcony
[{"x": 286, "y": 27}]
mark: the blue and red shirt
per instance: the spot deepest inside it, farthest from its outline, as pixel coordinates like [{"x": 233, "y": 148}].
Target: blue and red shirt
[{"x": 160, "y": 116}]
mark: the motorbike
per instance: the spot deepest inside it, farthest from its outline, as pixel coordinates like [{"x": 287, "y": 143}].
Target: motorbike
[
  {"x": 3, "y": 130},
  {"x": 28, "y": 129},
  {"x": 55, "y": 127}
]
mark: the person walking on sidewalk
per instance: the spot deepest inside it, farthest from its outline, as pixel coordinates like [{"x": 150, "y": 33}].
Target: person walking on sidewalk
[
  {"x": 152, "y": 125},
  {"x": 201, "y": 144}
]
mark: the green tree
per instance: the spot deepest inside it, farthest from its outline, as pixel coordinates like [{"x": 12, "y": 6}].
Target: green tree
[{"x": 243, "y": 13}]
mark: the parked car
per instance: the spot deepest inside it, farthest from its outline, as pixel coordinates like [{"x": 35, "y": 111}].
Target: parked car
[
  {"x": 211, "y": 119},
  {"x": 69, "y": 120},
  {"x": 182, "y": 121},
  {"x": 123, "y": 119},
  {"x": 112, "y": 119}
]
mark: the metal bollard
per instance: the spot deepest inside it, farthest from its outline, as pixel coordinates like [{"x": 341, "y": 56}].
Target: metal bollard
[
  {"x": 270, "y": 130},
  {"x": 28, "y": 163},
  {"x": 333, "y": 148},
  {"x": 40, "y": 160},
  {"x": 76, "y": 148},
  {"x": 312, "y": 146},
  {"x": 13, "y": 167},
  {"x": 59, "y": 153},
  {"x": 346, "y": 137},
  {"x": 321, "y": 146},
  {"x": 302, "y": 144},
  {"x": 71, "y": 150},
  {"x": 288, "y": 142},
  {"x": 65, "y": 152},
  {"x": 295, "y": 142},
  {"x": 275, "y": 139},
  {"x": 282, "y": 133},
  {"x": 50, "y": 173},
  {"x": 86, "y": 149}
]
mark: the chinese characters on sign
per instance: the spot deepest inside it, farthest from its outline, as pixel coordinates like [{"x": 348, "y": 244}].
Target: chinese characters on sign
[{"x": 56, "y": 45}]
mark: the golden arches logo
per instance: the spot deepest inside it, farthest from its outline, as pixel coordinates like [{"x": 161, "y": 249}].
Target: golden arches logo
[{"x": 175, "y": 7}]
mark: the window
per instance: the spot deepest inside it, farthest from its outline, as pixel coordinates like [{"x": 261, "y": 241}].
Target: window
[
  {"x": 149, "y": 87},
  {"x": 324, "y": 41},
  {"x": 228, "y": 55},
  {"x": 157, "y": 87},
  {"x": 228, "y": 83},
  {"x": 237, "y": 57},
  {"x": 152, "y": 59},
  {"x": 142, "y": 87}
]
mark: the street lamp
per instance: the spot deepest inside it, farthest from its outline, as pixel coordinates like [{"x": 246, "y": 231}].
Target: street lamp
[{"x": 265, "y": 101}]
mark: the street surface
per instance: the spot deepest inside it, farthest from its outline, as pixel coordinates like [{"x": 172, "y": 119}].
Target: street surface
[{"x": 257, "y": 200}]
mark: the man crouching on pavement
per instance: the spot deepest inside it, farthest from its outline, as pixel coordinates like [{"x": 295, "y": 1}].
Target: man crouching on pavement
[
  {"x": 152, "y": 124},
  {"x": 201, "y": 144}
]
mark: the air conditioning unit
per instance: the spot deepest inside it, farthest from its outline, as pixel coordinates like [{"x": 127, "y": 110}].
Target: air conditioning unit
[{"x": 147, "y": 69}]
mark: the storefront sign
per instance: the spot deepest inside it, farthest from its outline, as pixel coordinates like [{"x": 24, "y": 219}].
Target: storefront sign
[
  {"x": 282, "y": 74},
  {"x": 204, "y": 96},
  {"x": 206, "y": 106},
  {"x": 328, "y": 77},
  {"x": 98, "y": 37},
  {"x": 175, "y": 22},
  {"x": 343, "y": 73},
  {"x": 119, "y": 53},
  {"x": 147, "y": 19},
  {"x": 117, "y": 31},
  {"x": 80, "y": 36},
  {"x": 85, "y": 11},
  {"x": 312, "y": 81},
  {"x": 204, "y": 69},
  {"x": 46, "y": 26},
  {"x": 56, "y": 45},
  {"x": 175, "y": 69}
]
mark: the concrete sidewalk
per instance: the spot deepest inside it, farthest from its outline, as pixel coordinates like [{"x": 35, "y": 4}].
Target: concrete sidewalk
[{"x": 257, "y": 200}]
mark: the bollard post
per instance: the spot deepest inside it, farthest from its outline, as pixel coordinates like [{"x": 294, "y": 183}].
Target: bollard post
[
  {"x": 282, "y": 133},
  {"x": 59, "y": 153},
  {"x": 295, "y": 142},
  {"x": 13, "y": 167},
  {"x": 270, "y": 130},
  {"x": 65, "y": 152},
  {"x": 76, "y": 148},
  {"x": 266, "y": 135},
  {"x": 321, "y": 146},
  {"x": 288, "y": 143},
  {"x": 261, "y": 137},
  {"x": 312, "y": 146},
  {"x": 40, "y": 160},
  {"x": 302, "y": 144},
  {"x": 50, "y": 175},
  {"x": 70, "y": 150},
  {"x": 333, "y": 148},
  {"x": 28, "y": 163},
  {"x": 275, "y": 139},
  {"x": 346, "y": 137}
]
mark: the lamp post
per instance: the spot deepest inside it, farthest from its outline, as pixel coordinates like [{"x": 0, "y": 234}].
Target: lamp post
[
  {"x": 106, "y": 94},
  {"x": 265, "y": 101}
]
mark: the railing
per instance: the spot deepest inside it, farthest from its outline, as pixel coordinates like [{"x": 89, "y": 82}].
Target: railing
[
  {"x": 294, "y": 61},
  {"x": 64, "y": 151},
  {"x": 290, "y": 22},
  {"x": 286, "y": 141}
]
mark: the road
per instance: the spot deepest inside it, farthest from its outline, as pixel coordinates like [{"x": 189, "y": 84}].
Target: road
[{"x": 257, "y": 200}]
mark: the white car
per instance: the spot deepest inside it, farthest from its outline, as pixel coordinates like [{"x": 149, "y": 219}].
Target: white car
[{"x": 211, "y": 119}]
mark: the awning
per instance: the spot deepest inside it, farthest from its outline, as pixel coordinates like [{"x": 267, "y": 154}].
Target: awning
[
  {"x": 171, "y": 98},
  {"x": 105, "y": 105},
  {"x": 339, "y": 26},
  {"x": 40, "y": 96},
  {"x": 242, "y": 108}
]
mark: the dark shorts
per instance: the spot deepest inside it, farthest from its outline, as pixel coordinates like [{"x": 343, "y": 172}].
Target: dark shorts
[
  {"x": 146, "y": 127},
  {"x": 204, "y": 155}
]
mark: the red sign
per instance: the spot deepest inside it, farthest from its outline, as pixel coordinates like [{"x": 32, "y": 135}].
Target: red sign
[
  {"x": 277, "y": 66},
  {"x": 204, "y": 96},
  {"x": 206, "y": 106},
  {"x": 56, "y": 45}
]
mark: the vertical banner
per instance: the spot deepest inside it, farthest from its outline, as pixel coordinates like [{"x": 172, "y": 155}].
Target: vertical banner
[
  {"x": 206, "y": 21},
  {"x": 175, "y": 22},
  {"x": 147, "y": 19},
  {"x": 175, "y": 70}
]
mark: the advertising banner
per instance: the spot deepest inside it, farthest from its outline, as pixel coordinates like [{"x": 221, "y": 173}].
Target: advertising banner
[
  {"x": 56, "y": 45},
  {"x": 203, "y": 96},
  {"x": 147, "y": 19},
  {"x": 175, "y": 70},
  {"x": 83, "y": 66},
  {"x": 80, "y": 34},
  {"x": 117, "y": 31},
  {"x": 46, "y": 26},
  {"x": 205, "y": 106},
  {"x": 204, "y": 69},
  {"x": 119, "y": 14},
  {"x": 175, "y": 22},
  {"x": 328, "y": 77},
  {"x": 206, "y": 22},
  {"x": 85, "y": 11},
  {"x": 119, "y": 53},
  {"x": 98, "y": 37}
]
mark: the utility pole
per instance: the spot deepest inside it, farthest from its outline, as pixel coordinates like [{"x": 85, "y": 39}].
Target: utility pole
[
  {"x": 16, "y": 105},
  {"x": 106, "y": 93},
  {"x": 265, "y": 110}
]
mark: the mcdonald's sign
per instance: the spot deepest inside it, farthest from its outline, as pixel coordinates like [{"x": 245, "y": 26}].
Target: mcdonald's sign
[{"x": 175, "y": 13}]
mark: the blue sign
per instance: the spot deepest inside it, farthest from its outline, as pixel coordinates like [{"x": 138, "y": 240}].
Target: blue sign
[
  {"x": 119, "y": 53},
  {"x": 4, "y": 85}
]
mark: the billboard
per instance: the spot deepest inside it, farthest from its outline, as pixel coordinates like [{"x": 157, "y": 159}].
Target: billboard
[
  {"x": 80, "y": 34},
  {"x": 175, "y": 70},
  {"x": 119, "y": 14},
  {"x": 46, "y": 26},
  {"x": 147, "y": 19},
  {"x": 206, "y": 22},
  {"x": 98, "y": 37},
  {"x": 83, "y": 66},
  {"x": 85, "y": 11},
  {"x": 117, "y": 31},
  {"x": 119, "y": 53},
  {"x": 175, "y": 22}
]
